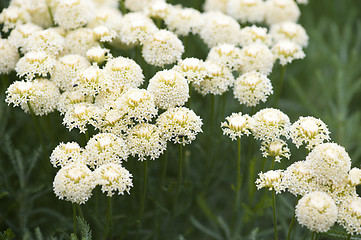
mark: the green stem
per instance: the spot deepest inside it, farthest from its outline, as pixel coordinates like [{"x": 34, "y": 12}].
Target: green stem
[
  {"x": 274, "y": 214},
  {"x": 142, "y": 200},
  {"x": 37, "y": 127},
  {"x": 239, "y": 177},
  {"x": 238, "y": 183},
  {"x": 51, "y": 16},
  {"x": 313, "y": 236},
  {"x": 180, "y": 175},
  {"x": 212, "y": 113},
  {"x": 280, "y": 85},
  {"x": 74, "y": 218},
  {"x": 291, "y": 225},
  {"x": 108, "y": 226},
  {"x": 180, "y": 169},
  {"x": 5, "y": 81},
  {"x": 122, "y": 7},
  {"x": 86, "y": 136},
  {"x": 80, "y": 211},
  {"x": 349, "y": 237},
  {"x": 292, "y": 222},
  {"x": 164, "y": 168},
  {"x": 190, "y": 95}
]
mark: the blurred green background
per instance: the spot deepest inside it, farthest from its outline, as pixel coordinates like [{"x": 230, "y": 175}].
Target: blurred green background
[{"x": 326, "y": 84}]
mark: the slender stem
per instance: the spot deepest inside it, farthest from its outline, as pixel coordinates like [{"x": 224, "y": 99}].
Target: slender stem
[
  {"x": 51, "y": 16},
  {"x": 238, "y": 183},
  {"x": 122, "y": 7},
  {"x": 80, "y": 211},
  {"x": 142, "y": 200},
  {"x": 280, "y": 85},
  {"x": 5, "y": 81},
  {"x": 349, "y": 237},
  {"x": 164, "y": 168},
  {"x": 37, "y": 127},
  {"x": 86, "y": 136},
  {"x": 180, "y": 175},
  {"x": 291, "y": 225},
  {"x": 74, "y": 218},
  {"x": 108, "y": 225},
  {"x": 239, "y": 177},
  {"x": 212, "y": 113},
  {"x": 292, "y": 222},
  {"x": 180, "y": 169},
  {"x": 190, "y": 95},
  {"x": 313, "y": 236},
  {"x": 274, "y": 214}
]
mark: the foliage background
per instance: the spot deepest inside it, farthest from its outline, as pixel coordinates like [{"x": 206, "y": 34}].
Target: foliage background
[{"x": 326, "y": 84}]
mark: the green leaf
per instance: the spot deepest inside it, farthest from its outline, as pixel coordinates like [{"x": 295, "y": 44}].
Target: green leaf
[
  {"x": 85, "y": 231},
  {"x": 7, "y": 235}
]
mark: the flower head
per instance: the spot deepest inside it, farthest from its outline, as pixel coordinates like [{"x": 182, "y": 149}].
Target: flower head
[
  {"x": 252, "y": 88},
  {"x": 354, "y": 176},
  {"x": 281, "y": 11},
  {"x": 219, "y": 28},
  {"x": 271, "y": 180},
  {"x": 145, "y": 140},
  {"x": 34, "y": 64},
  {"x": 135, "y": 28},
  {"x": 72, "y": 14},
  {"x": 253, "y": 34},
  {"x": 74, "y": 183},
  {"x": 139, "y": 5},
  {"x": 161, "y": 48},
  {"x": 49, "y": 41},
  {"x": 286, "y": 51},
  {"x": 317, "y": 211},
  {"x": 69, "y": 98},
  {"x": 169, "y": 88},
  {"x": 66, "y": 69},
  {"x": 79, "y": 115},
  {"x": 66, "y": 153},
  {"x": 215, "y": 5},
  {"x": 9, "y": 56},
  {"x": 183, "y": 21},
  {"x": 14, "y": 16},
  {"x": 298, "y": 179},
  {"x": 350, "y": 215},
  {"x": 329, "y": 163},
  {"x": 270, "y": 124},
  {"x": 276, "y": 148},
  {"x": 226, "y": 55},
  {"x": 310, "y": 130},
  {"x": 92, "y": 81},
  {"x": 105, "y": 148},
  {"x": 104, "y": 33},
  {"x": 41, "y": 95},
  {"x": 217, "y": 81},
  {"x": 137, "y": 105},
  {"x": 193, "y": 69},
  {"x": 257, "y": 57},
  {"x": 180, "y": 125},
  {"x": 98, "y": 55},
  {"x": 124, "y": 72},
  {"x": 19, "y": 35},
  {"x": 237, "y": 125},
  {"x": 289, "y": 31},
  {"x": 80, "y": 41},
  {"x": 251, "y": 11},
  {"x": 113, "y": 177}
]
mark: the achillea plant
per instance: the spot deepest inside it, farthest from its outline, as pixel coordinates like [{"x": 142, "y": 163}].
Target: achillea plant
[{"x": 113, "y": 84}]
